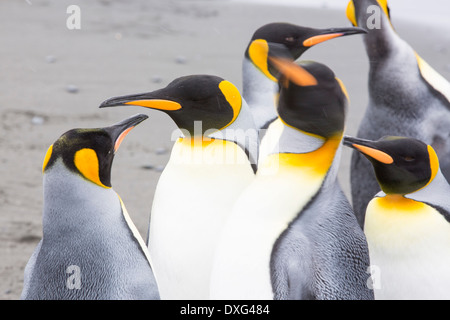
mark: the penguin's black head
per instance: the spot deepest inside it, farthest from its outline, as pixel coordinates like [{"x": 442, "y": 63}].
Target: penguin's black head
[
  {"x": 189, "y": 101},
  {"x": 90, "y": 152},
  {"x": 402, "y": 165},
  {"x": 295, "y": 38},
  {"x": 311, "y": 98}
]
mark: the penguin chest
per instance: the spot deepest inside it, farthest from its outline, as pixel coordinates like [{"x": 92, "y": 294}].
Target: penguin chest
[
  {"x": 194, "y": 196},
  {"x": 409, "y": 246},
  {"x": 261, "y": 215}
]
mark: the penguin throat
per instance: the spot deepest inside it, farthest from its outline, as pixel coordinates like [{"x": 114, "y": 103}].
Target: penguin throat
[
  {"x": 391, "y": 201},
  {"x": 211, "y": 152},
  {"x": 315, "y": 163}
]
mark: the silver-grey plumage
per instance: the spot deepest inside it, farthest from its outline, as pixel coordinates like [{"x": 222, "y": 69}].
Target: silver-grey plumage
[
  {"x": 323, "y": 254},
  {"x": 259, "y": 92},
  {"x": 401, "y": 103},
  {"x": 87, "y": 250}
]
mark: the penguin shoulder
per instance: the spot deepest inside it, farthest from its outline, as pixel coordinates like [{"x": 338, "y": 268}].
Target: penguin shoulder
[{"x": 433, "y": 78}]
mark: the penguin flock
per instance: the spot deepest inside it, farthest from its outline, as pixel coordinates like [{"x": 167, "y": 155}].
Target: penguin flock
[{"x": 249, "y": 206}]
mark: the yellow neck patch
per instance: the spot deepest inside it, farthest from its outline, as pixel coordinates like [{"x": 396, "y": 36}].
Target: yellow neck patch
[
  {"x": 233, "y": 97},
  {"x": 258, "y": 53},
  {"x": 398, "y": 203},
  {"x": 86, "y": 161},
  {"x": 315, "y": 164},
  {"x": 394, "y": 223},
  {"x": 47, "y": 157}
]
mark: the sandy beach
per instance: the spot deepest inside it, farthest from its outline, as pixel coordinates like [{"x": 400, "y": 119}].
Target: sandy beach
[{"x": 54, "y": 78}]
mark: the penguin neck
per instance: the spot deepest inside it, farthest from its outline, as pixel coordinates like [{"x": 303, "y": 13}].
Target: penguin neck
[
  {"x": 381, "y": 38},
  {"x": 260, "y": 93},
  {"x": 381, "y": 42},
  {"x": 394, "y": 71},
  {"x": 71, "y": 200},
  {"x": 435, "y": 194},
  {"x": 302, "y": 151},
  {"x": 207, "y": 151},
  {"x": 243, "y": 132}
]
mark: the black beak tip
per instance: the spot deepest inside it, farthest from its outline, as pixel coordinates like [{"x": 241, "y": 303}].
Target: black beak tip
[
  {"x": 141, "y": 117},
  {"x": 104, "y": 104},
  {"x": 129, "y": 122},
  {"x": 347, "y": 141},
  {"x": 111, "y": 103},
  {"x": 354, "y": 30},
  {"x": 360, "y": 30}
]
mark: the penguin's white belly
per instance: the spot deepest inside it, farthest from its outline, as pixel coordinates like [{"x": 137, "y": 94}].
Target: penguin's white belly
[
  {"x": 409, "y": 251},
  {"x": 192, "y": 201},
  {"x": 261, "y": 215}
]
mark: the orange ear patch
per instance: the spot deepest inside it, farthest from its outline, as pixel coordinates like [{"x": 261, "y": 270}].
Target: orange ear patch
[
  {"x": 47, "y": 157},
  {"x": 258, "y": 53},
  {"x": 86, "y": 161}
]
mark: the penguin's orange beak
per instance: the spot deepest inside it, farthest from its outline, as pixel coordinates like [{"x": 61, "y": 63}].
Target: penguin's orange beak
[
  {"x": 119, "y": 130},
  {"x": 365, "y": 147},
  {"x": 328, "y": 34},
  {"x": 378, "y": 155},
  {"x": 156, "y": 104},
  {"x": 142, "y": 100},
  {"x": 293, "y": 72},
  {"x": 320, "y": 38}
]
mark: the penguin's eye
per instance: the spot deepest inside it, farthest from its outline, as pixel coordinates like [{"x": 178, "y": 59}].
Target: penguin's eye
[
  {"x": 409, "y": 158},
  {"x": 290, "y": 39}
]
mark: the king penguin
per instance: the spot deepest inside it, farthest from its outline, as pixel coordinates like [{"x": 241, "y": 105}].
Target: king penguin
[
  {"x": 406, "y": 97},
  {"x": 259, "y": 85},
  {"x": 292, "y": 233},
  {"x": 407, "y": 224},
  {"x": 90, "y": 248},
  {"x": 209, "y": 167}
]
